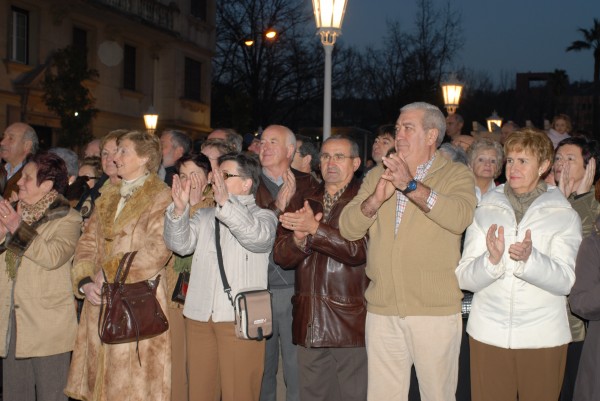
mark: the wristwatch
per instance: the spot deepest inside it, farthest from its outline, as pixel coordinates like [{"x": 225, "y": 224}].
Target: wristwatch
[{"x": 411, "y": 186}]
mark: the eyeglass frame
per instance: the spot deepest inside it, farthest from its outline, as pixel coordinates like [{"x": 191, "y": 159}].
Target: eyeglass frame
[{"x": 337, "y": 158}]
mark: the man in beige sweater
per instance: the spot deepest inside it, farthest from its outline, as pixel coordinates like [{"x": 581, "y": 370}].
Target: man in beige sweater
[{"x": 414, "y": 208}]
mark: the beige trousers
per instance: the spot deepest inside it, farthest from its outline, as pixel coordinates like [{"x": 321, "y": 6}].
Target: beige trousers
[{"x": 394, "y": 344}]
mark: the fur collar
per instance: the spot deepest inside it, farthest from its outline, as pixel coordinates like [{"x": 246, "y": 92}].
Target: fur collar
[
  {"x": 140, "y": 201},
  {"x": 57, "y": 209}
]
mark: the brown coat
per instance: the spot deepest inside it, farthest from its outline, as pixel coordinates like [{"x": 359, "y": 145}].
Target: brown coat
[
  {"x": 585, "y": 302},
  {"x": 329, "y": 307},
  {"x": 11, "y": 184},
  {"x": 43, "y": 300},
  {"x": 112, "y": 372}
]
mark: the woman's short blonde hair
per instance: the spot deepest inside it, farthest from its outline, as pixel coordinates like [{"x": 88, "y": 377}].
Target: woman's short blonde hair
[
  {"x": 145, "y": 145},
  {"x": 530, "y": 140},
  {"x": 112, "y": 136}
]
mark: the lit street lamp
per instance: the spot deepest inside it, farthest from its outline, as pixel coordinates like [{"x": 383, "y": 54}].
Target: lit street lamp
[
  {"x": 151, "y": 120},
  {"x": 329, "y": 15},
  {"x": 452, "y": 90},
  {"x": 494, "y": 122}
]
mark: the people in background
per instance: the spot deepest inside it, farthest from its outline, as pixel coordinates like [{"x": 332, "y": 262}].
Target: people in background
[
  {"x": 174, "y": 144},
  {"x": 281, "y": 189},
  {"x": 306, "y": 157},
  {"x": 575, "y": 173},
  {"x": 561, "y": 127},
  {"x": 486, "y": 158},
  {"x": 19, "y": 140},
  {"x": 232, "y": 138}
]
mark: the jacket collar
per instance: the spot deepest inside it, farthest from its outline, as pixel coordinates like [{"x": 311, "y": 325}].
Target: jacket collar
[{"x": 348, "y": 194}]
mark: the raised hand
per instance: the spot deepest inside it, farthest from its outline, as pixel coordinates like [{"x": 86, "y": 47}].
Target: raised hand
[
  {"x": 566, "y": 185},
  {"x": 198, "y": 185},
  {"x": 180, "y": 192},
  {"x": 520, "y": 251},
  {"x": 588, "y": 178},
  {"x": 286, "y": 191},
  {"x": 219, "y": 189},
  {"x": 9, "y": 217},
  {"x": 396, "y": 171},
  {"x": 495, "y": 243}
]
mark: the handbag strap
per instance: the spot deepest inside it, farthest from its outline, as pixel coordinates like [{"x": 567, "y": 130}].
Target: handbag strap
[
  {"x": 226, "y": 285},
  {"x": 126, "y": 261}
]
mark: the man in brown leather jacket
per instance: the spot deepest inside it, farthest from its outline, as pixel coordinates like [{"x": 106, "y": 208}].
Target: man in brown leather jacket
[{"x": 329, "y": 307}]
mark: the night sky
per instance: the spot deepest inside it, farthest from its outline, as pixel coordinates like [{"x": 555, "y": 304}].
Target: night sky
[{"x": 525, "y": 35}]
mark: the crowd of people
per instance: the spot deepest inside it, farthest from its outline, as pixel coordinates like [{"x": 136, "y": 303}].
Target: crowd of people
[{"x": 453, "y": 268}]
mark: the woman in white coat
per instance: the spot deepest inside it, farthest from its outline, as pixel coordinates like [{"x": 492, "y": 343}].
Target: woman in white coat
[
  {"x": 219, "y": 364},
  {"x": 519, "y": 260}
]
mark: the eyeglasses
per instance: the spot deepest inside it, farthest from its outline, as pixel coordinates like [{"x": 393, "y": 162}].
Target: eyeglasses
[
  {"x": 227, "y": 175},
  {"x": 338, "y": 157}
]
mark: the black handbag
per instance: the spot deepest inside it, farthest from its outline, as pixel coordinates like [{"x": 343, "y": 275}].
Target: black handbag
[
  {"x": 130, "y": 312},
  {"x": 181, "y": 288}
]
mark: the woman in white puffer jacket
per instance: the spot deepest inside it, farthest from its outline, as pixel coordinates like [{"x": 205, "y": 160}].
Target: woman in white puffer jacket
[{"x": 519, "y": 260}]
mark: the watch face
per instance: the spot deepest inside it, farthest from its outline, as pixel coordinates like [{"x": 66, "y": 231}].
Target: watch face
[{"x": 412, "y": 185}]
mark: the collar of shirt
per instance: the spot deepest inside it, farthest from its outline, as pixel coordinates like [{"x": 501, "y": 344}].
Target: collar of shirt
[
  {"x": 277, "y": 181},
  {"x": 10, "y": 171}
]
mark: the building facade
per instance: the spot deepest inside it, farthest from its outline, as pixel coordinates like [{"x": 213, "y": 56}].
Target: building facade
[{"x": 147, "y": 53}]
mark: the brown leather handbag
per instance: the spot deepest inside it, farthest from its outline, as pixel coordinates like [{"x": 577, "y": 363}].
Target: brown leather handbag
[{"x": 130, "y": 312}]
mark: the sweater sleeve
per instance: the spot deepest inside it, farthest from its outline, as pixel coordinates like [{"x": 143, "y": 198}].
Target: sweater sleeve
[{"x": 354, "y": 225}]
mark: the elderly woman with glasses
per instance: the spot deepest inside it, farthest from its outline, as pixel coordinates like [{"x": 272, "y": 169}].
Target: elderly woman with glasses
[{"x": 221, "y": 366}]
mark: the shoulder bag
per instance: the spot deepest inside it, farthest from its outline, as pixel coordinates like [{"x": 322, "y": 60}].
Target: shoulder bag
[
  {"x": 130, "y": 312},
  {"x": 252, "y": 308}
]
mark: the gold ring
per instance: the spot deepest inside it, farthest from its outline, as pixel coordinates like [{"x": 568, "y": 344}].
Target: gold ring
[{"x": 5, "y": 216}]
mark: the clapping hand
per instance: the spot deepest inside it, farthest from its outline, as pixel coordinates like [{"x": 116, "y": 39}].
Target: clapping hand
[
  {"x": 520, "y": 251},
  {"x": 181, "y": 194},
  {"x": 287, "y": 190},
  {"x": 495, "y": 244}
]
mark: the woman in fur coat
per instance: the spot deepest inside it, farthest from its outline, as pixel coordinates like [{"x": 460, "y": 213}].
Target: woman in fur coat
[{"x": 128, "y": 217}]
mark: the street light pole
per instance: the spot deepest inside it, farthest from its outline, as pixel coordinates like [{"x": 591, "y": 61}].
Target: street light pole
[{"x": 329, "y": 15}]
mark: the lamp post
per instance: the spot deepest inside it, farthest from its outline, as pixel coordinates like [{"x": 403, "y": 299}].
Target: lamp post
[
  {"x": 494, "y": 122},
  {"x": 452, "y": 89},
  {"x": 329, "y": 15},
  {"x": 151, "y": 120}
]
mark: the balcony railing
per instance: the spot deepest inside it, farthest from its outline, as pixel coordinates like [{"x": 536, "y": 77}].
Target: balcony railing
[{"x": 150, "y": 11}]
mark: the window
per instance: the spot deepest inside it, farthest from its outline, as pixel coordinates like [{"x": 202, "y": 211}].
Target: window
[
  {"x": 193, "y": 76},
  {"x": 129, "y": 67},
  {"x": 19, "y": 32},
  {"x": 80, "y": 39},
  {"x": 198, "y": 9}
]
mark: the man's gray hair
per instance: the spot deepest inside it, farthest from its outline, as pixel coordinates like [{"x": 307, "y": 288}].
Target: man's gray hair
[
  {"x": 70, "y": 158},
  {"x": 30, "y": 135},
  {"x": 433, "y": 118},
  {"x": 354, "y": 150},
  {"x": 233, "y": 138},
  {"x": 180, "y": 139}
]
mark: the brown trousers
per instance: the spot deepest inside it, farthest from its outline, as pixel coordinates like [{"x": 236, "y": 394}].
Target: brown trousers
[
  {"x": 179, "y": 375},
  {"x": 503, "y": 374},
  {"x": 221, "y": 366}
]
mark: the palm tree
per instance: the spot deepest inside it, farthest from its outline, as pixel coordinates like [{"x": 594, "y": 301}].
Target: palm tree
[{"x": 591, "y": 41}]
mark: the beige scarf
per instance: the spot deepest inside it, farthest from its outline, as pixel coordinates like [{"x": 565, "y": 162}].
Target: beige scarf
[{"x": 29, "y": 215}]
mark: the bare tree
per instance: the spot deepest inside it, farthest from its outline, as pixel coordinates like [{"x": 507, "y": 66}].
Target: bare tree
[{"x": 410, "y": 65}]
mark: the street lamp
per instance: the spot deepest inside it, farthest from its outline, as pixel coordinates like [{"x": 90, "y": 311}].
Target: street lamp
[
  {"x": 494, "y": 122},
  {"x": 452, "y": 90},
  {"x": 151, "y": 120},
  {"x": 329, "y": 15}
]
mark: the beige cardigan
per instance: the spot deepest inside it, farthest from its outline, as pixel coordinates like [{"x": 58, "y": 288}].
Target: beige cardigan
[{"x": 412, "y": 273}]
